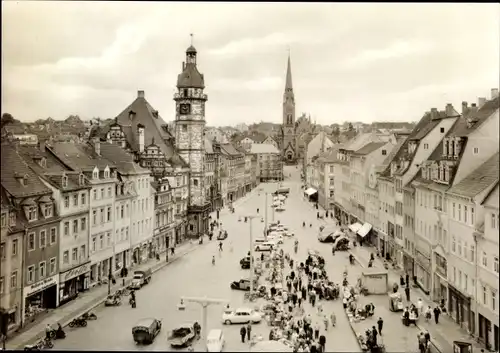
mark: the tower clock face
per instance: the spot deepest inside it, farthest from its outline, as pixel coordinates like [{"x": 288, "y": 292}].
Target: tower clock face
[{"x": 185, "y": 108}]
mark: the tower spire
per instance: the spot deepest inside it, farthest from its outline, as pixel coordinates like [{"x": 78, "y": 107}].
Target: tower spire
[{"x": 288, "y": 85}]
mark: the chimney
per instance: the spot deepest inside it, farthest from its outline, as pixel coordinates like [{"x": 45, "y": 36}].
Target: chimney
[
  {"x": 449, "y": 110},
  {"x": 140, "y": 137},
  {"x": 97, "y": 145},
  {"x": 183, "y": 65},
  {"x": 473, "y": 108},
  {"x": 465, "y": 108},
  {"x": 131, "y": 115},
  {"x": 140, "y": 94},
  {"x": 494, "y": 93},
  {"x": 434, "y": 113},
  {"x": 480, "y": 102}
]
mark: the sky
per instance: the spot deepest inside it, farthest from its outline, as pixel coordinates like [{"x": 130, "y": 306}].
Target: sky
[{"x": 350, "y": 62}]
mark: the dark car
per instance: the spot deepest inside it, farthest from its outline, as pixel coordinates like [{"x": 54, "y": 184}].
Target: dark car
[
  {"x": 146, "y": 330},
  {"x": 222, "y": 236},
  {"x": 245, "y": 263},
  {"x": 242, "y": 284},
  {"x": 183, "y": 335}
]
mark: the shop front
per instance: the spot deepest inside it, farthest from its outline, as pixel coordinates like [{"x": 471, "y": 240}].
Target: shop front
[
  {"x": 72, "y": 282},
  {"x": 423, "y": 271},
  {"x": 440, "y": 273},
  {"x": 408, "y": 264},
  {"x": 121, "y": 261},
  {"x": 459, "y": 307},
  {"x": 40, "y": 297}
]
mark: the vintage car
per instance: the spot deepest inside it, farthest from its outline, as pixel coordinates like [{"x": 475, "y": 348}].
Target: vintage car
[
  {"x": 265, "y": 246},
  {"x": 341, "y": 243},
  {"x": 241, "y": 316},
  {"x": 222, "y": 236},
  {"x": 146, "y": 330},
  {"x": 275, "y": 237},
  {"x": 245, "y": 262},
  {"x": 113, "y": 300},
  {"x": 242, "y": 284},
  {"x": 329, "y": 237},
  {"x": 183, "y": 335},
  {"x": 215, "y": 340}
]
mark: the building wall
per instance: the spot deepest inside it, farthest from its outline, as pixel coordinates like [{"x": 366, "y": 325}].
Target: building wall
[{"x": 123, "y": 220}]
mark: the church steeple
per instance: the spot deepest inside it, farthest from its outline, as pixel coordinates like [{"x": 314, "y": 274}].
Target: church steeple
[{"x": 288, "y": 85}]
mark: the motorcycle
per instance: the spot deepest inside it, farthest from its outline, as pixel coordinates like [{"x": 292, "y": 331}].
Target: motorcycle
[
  {"x": 90, "y": 315},
  {"x": 79, "y": 322},
  {"x": 38, "y": 346}
]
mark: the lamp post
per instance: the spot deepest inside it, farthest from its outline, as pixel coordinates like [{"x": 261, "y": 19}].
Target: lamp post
[
  {"x": 251, "y": 217},
  {"x": 205, "y": 302},
  {"x": 265, "y": 216}
]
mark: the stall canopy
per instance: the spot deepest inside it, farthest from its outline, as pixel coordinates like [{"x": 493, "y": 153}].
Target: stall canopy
[
  {"x": 364, "y": 230},
  {"x": 311, "y": 191},
  {"x": 355, "y": 227},
  {"x": 270, "y": 346}
]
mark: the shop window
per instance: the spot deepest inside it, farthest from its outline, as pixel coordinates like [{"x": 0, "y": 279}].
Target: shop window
[
  {"x": 13, "y": 280},
  {"x": 66, "y": 257},
  {"x": 42, "y": 270},
  {"x": 66, "y": 201},
  {"x": 31, "y": 274},
  {"x": 83, "y": 199},
  {"x": 52, "y": 235},
  {"x": 52, "y": 266},
  {"x": 31, "y": 241},
  {"x": 43, "y": 239}
]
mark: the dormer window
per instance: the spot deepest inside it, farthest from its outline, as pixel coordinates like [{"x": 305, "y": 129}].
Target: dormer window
[
  {"x": 446, "y": 173},
  {"x": 446, "y": 148},
  {"x": 64, "y": 181},
  {"x": 440, "y": 172},
  {"x": 95, "y": 173},
  {"x": 12, "y": 219},
  {"x": 81, "y": 179},
  {"x": 32, "y": 213},
  {"x": 453, "y": 148},
  {"x": 47, "y": 210},
  {"x": 106, "y": 173}
]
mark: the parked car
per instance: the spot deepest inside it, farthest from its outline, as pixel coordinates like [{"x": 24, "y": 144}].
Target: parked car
[
  {"x": 141, "y": 278},
  {"x": 146, "y": 330},
  {"x": 288, "y": 233},
  {"x": 222, "y": 236},
  {"x": 265, "y": 246},
  {"x": 112, "y": 300},
  {"x": 329, "y": 237},
  {"x": 215, "y": 341},
  {"x": 241, "y": 316},
  {"x": 182, "y": 336},
  {"x": 245, "y": 262},
  {"x": 242, "y": 284},
  {"x": 278, "y": 239}
]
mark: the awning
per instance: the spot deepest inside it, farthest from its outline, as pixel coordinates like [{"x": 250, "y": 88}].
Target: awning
[
  {"x": 364, "y": 230},
  {"x": 311, "y": 191},
  {"x": 355, "y": 227}
]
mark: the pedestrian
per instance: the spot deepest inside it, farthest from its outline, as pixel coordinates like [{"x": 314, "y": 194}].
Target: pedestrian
[
  {"x": 437, "y": 311},
  {"x": 299, "y": 301},
  {"x": 317, "y": 215},
  {"x": 421, "y": 342},
  {"x": 322, "y": 342},
  {"x": 243, "y": 333},
  {"x": 48, "y": 330},
  {"x": 380, "y": 324},
  {"x": 316, "y": 331},
  {"x": 407, "y": 292},
  {"x": 249, "y": 331},
  {"x": 420, "y": 306},
  {"x": 333, "y": 318},
  {"x": 407, "y": 280},
  {"x": 427, "y": 337}
]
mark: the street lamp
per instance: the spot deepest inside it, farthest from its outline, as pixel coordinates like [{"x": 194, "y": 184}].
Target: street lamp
[
  {"x": 205, "y": 302},
  {"x": 251, "y": 217}
]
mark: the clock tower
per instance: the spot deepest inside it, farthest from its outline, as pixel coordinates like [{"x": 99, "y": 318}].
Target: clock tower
[
  {"x": 288, "y": 126},
  {"x": 189, "y": 140}
]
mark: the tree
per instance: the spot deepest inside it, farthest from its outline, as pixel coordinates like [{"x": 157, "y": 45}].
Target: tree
[
  {"x": 6, "y": 119},
  {"x": 350, "y": 127}
]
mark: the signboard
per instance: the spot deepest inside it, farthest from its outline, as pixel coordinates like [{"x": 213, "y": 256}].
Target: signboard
[
  {"x": 75, "y": 272},
  {"x": 40, "y": 286}
]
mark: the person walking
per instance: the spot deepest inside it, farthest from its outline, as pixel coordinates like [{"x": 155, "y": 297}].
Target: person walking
[
  {"x": 322, "y": 343},
  {"x": 316, "y": 331},
  {"x": 243, "y": 333},
  {"x": 437, "y": 312},
  {"x": 374, "y": 335},
  {"x": 407, "y": 278},
  {"x": 380, "y": 324},
  {"x": 420, "y": 307},
  {"x": 249, "y": 331},
  {"x": 407, "y": 292}
]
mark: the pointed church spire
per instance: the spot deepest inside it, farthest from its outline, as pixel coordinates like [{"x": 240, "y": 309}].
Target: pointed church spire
[{"x": 288, "y": 85}]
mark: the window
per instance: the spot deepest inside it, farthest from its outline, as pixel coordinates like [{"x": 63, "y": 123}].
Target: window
[
  {"x": 94, "y": 217},
  {"x": 384, "y": 152},
  {"x": 32, "y": 213},
  {"x": 109, "y": 214},
  {"x": 83, "y": 199},
  {"x": 465, "y": 250},
  {"x": 74, "y": 255},
  {"x": 66, "y": 201},
  {"x": 472, "y": 215},
  {"x": 13, "y": 280},
  {"x": 101, "y": 241},
  {"x": 453, "y": 244},
  {"x": 83, "y": 223},
  {"x": 108, "y": 238},
  {"x": 485, "y": 260},
  {"x": 42, "y": 269},
  {"x": 459, "y": 279},
  {"x": 66, "y": 257},
  {"x": 465, "y": 214},
  {"x": 109, "y": 192},
  {"x": 75, "y": 200},
  {"x": 52, "y": 265},
  {"x": 102, "y": 215},
  {"x": 31, "y": 274},
  {"x": 442, "y": 130},
  {"x": 82, "y": 252},
  {"x": 31, "y": 242},
  {"x": 472, "y": 252},
  {"x": 14, "y": 247},
  {"x": 426, "y": 146},
  {"x": 495, "y": 264},
  {"x": 94, "y": 194},
  {"x": 66, "y": 228},
  {"x": 459, "y": 212},
  {"x": 485, "y": 295},
  {"x": 453, "y": 208},
  {"x": 75, "y": 226},
  {"x": 493, "y": 221},
  {"x": 459, "y": 247},
  {"x": 475, "y": 150},
  {"x": 466, "y": 280},
  {"x": 494, "y": 300},
  {"x": 43, "y": 239},
  {"x": 94, "y": 241},
  {"x": 47, "y": 210},
  {"x": 52, "y": 235},
  {"x": 122, "y": 211},
  {"x": 1, "y": 285},
  {"x": 102, "y": 193},
  {"x": 2, "y": 251}
]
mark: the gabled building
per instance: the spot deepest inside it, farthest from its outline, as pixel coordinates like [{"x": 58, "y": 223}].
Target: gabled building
[
  {"x": 36, "y": 222},
  {"x": 164, "y": 230},
  {"x": 212, "y": 174},
  {"x": 233, "y": 168},
  {"x": 269, "y": 162}
]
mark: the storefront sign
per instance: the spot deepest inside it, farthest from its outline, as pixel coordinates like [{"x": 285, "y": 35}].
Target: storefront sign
[
  {"x": 40, "y": 286},
  {"x": 75, "y": 272}
]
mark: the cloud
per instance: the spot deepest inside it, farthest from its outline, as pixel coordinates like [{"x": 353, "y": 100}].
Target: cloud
[{"x": 259, "y": 84}]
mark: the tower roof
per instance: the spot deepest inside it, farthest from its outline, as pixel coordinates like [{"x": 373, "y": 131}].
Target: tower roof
[
  {"x": 191, "y": 49},
  {"x": 288, "y": 85}
]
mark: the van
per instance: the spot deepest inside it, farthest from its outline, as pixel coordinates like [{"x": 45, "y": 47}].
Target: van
[
  {"x": 141, "y": 278},
  {"x": 215, "y": 341}
]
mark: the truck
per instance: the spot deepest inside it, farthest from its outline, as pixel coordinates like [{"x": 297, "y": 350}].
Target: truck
[{"x": 141, "y": 278}]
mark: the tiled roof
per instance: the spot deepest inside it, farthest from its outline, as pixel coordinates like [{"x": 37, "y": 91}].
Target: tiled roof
[
  {"x": 479, "y": 180},
  {"x": 258, "y": 137},
  {"x": 190, "y": 77},
  {"x": 480, "y": 116},
  {"x": 32, "y": 154},
  {"x": 263, "y": 148},
  {"x": 79, "y": 156},
  {"x": 369, "y": 148},
  {"x": 123, "y": 160},
  {"x": 229, "y": 149},
  {"x": 14, "y": 166}
]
